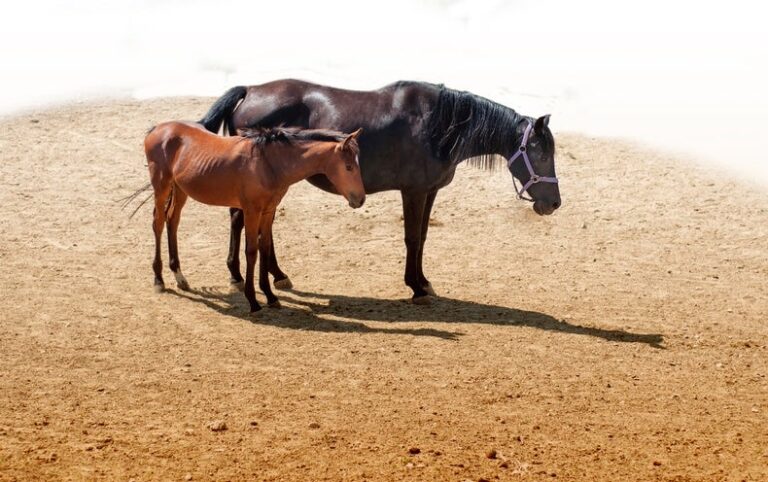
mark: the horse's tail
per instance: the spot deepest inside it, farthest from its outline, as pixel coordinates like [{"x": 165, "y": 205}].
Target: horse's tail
[
  {"x": 223, "y": 108},
  {"x": 128, "y": 199}
]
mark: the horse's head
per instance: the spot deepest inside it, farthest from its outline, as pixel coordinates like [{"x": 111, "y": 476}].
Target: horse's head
[
  {"x": 533, "y": 164},
  {"x": 343, "y": 170}
]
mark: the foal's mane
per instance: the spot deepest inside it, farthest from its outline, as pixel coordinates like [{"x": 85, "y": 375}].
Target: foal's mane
[
  {"x": 463, "y": 124},
  {"x": 289, "y": 135}
]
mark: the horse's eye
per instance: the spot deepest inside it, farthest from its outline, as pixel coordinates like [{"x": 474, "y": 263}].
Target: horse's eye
[{"x": 349, "y": 167}]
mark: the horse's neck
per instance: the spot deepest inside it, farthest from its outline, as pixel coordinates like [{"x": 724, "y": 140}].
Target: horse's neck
[{"x": 477, "y": 128}]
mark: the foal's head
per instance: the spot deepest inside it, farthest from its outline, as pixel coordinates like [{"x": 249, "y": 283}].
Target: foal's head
[{"x": 342, "y": 168}]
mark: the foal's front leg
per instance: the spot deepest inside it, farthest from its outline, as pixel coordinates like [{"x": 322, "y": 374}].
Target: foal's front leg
[
  {"x": 252, "y": 220},
  {"x": 266, "y": 251},
  {"x": 282, "y": 281}
]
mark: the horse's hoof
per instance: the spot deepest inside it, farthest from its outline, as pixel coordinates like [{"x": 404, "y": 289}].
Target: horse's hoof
[
  {"x": 159, "y": 288},
  {"x": 422, "y": 300},
  {"x": 275, "y": 304},
  {"x": 430, "y": 290},
  {"x": 283, "y": 284},
  {"x": 255, "y": 311},
  {"x": 236, "y": 286}
]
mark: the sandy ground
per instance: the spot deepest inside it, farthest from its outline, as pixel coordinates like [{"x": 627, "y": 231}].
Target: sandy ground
[{"x": 623, "y": 338}]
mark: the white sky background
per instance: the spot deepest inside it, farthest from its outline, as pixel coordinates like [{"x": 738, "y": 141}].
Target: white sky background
[{"x": 681, "y": 75}]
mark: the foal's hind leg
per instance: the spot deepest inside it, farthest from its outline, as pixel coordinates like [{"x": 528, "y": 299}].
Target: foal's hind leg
[
  {"x": 158, "y": 221},
  {"x": 178, "y": 199},
  {"x": 233, "y": 259}
]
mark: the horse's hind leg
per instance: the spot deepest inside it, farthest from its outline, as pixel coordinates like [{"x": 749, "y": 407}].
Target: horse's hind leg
[
  {"x": 233, "y": 259},
  {"x": 282, "y": 281},
  {"x": 178, "y": 199}
]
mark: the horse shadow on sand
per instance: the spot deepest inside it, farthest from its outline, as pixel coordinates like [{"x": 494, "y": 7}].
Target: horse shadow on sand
[{"x": 340, "y": 313}]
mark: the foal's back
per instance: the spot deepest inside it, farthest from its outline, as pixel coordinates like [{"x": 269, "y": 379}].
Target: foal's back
[{"x": 209, "y": 168}]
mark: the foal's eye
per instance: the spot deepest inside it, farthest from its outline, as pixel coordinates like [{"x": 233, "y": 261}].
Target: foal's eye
[{"x": 349, "y": 167}]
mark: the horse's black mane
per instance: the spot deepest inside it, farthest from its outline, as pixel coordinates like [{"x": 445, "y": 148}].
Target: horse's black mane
[
  {"x": 269, "y": 135},
  {"x": 463, "y": 125}
]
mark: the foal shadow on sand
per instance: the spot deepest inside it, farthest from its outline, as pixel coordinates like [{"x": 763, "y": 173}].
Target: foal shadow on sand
[{"x": 349, "y": 312}]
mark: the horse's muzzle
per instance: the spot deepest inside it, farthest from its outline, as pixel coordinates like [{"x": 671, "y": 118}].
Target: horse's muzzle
[{"x": 544, "y": 208}]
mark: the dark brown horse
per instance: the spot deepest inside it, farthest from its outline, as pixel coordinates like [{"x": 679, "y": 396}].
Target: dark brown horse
[
  {"x": 251, "y": 173},
  {"x": 415, "y": 135}
]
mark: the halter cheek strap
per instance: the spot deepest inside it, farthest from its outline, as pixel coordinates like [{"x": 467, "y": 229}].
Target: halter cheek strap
[{"x": 535, "y": 178}]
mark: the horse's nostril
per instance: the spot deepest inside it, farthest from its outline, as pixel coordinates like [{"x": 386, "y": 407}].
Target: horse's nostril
[{"x": 556, "y": 204}]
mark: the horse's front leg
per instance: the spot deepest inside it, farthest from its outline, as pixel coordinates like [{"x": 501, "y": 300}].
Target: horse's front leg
[
  {"x": 413, "y": 217},
  {"x": 282, "y": 281},
  {"x": 430, "y": 201}
]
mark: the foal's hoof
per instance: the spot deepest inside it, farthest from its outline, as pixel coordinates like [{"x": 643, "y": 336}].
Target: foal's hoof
[
  {"x": 275, "y": 304},
  {"x": 181, "y": 281},
  {"x": 255, "y": 311},
  {"x": 430, "y": 290},
  {"x": 283, "y": 284},
  {"x": 236, "y": 286},
  {"x": 159, "y": 288},
  {"x": 422, "y": 300}
]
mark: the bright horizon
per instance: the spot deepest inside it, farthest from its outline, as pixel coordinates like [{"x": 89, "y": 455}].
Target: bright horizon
[{"x": 680, "y": 76}]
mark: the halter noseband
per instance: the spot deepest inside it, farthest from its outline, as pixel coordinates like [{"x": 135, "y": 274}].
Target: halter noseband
[{"x": 535, "y": 178}]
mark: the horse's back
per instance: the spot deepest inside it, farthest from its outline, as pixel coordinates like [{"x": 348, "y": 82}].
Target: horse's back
[{"x": 308, "y": 105}]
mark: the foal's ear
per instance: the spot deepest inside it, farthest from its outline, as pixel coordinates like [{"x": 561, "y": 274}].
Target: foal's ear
[
  {"x": 354, "y": 135},
  {"x": 541, "y": 123}
]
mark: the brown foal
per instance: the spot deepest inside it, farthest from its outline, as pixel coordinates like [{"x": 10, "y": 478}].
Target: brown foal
[{"x": 251, "y": 172}]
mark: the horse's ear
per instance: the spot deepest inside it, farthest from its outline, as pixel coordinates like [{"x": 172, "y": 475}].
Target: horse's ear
[
  {"x": 354, "y": 135},
  {"x": 541, "y": 123}
]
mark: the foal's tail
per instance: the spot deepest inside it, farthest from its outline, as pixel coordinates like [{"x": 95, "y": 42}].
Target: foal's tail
[
  {"x": 124, "y": 202},
  {"x": 222, "y": 109},
  {"x": 169, "y": 203}
]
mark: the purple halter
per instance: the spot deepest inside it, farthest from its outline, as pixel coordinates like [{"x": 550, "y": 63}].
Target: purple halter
[{"x": 535, "y": 178}]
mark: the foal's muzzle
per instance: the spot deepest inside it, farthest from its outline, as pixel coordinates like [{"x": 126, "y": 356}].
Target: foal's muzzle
[{"x": 356, "y": 201}]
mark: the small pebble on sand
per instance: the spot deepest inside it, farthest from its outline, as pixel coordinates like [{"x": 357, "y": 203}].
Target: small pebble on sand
[{"x": 218, "y": 426}]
